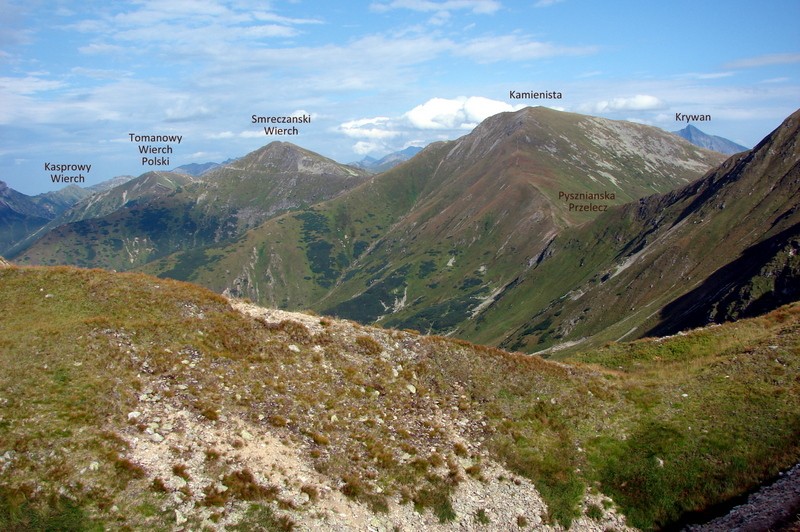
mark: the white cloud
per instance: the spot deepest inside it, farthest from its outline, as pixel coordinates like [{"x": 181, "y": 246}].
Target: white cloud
[
  {"x": 639, "y": 102},
  {"x": 186, "y": 109},
  {"x": 247, "y": 134},
  {"x": 436, "y": 119},
  {"x": 252, "y": 134},
  {"x": 221, "y": 135},
  {"x": 476, "y": 6},
  {"x": 28, "y": 85},
  {"x": 101, "y": 48},
  {"x": 456, "y": 113},
  {"x": 303, "y": 112},
  {"x": 764, "y": 60},
  {"x": 515, "y": 48},
  {"x": 363, "y": 147},
  {"x": 379, "y": 127},
  {"x": 99, "y": 73}
]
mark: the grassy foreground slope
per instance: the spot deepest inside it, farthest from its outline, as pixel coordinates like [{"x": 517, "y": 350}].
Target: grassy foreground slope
[{"x": 130, "y": 401}]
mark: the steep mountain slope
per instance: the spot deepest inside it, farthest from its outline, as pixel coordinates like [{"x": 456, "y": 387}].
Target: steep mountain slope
[
  {"x": 423, "y": 244},
  {"x": 60, "y": 240},
  {"x": 161, "y": 212},
  {"x": 134, "y": 402},
  {"x": 20, "y": 215},
  {"x": 721, "y": 248},
  {"x": 709, "y": 142},
  {"x": 57, "y": 201}
]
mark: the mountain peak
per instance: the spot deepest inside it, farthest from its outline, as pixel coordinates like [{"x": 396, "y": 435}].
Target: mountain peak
[
  {"x": 281, "y": 156},
  {"x": 709, "y": 142},
  {"x": 389, "y": 161}
]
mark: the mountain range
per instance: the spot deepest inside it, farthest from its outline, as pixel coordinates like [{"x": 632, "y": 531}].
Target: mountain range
[
  {"x": 663, "y": 277},
  {"x": 526, "y": 233},
  {"x": 198, "y": 169},
  {"x": 159, "y": 213},
  {"x": 715, "y": 250},
  {"x": 429, "y": 244},
  {"x": 387, "y": 161},
  {"x": 22, "y": 215},
  {"x": 709, "y": 142}
]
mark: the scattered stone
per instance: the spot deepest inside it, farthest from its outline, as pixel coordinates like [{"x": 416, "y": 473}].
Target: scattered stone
[
  {"x": 156, "y": 437},
  {"x": 94, "y": 466},
  {"x": 411, "y": 388},
  {"x": 294, "y": 348},
  {"x": 179, "y": 518},
  {"x": 246, "y": 435},
  {"x": 134, "y": 415}
]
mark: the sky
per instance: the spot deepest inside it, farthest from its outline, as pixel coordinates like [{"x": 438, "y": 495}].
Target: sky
[{"x": 371, "y": 77}]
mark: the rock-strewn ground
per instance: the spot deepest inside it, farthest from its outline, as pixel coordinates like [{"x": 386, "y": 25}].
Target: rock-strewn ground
[{"x": 164, "y": 433}]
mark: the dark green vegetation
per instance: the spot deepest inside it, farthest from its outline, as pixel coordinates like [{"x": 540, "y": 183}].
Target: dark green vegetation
[
  {"x": 429, "y": 244},
  {"x": 663, "y": 426},
  {"x": 22, "y": 215},
  {"x": 160, "y": 213}
]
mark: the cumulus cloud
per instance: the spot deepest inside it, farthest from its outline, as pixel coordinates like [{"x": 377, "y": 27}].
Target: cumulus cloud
[
  {"x": 435, "y": 119},
  {"x": 456, "y": 113},
  {"x": 639, "y": 102}
]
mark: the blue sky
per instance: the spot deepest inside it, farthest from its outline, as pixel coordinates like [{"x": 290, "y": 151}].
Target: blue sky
[{"x": 76, "y": 77}]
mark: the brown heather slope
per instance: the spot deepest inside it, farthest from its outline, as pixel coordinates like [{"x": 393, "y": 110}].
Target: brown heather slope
[{"x": 718, "y": 249}]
